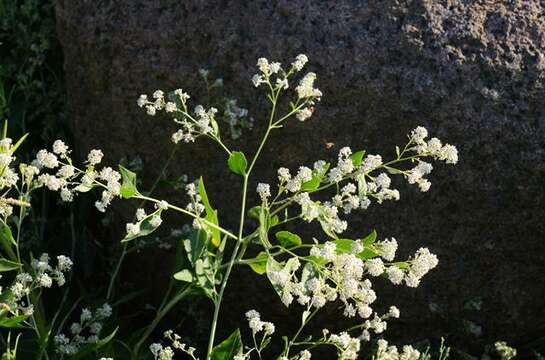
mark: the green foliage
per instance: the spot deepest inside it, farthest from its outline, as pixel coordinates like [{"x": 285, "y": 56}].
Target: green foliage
[
  {"x": 128, "y": 185},
  {"x": 237, "y": 162},
  {"x": 211, "y": 215},
  {"x": 31, "y": 81},
  {"x": 288, "y": 239},
  {"x": 229, "y": 347}
]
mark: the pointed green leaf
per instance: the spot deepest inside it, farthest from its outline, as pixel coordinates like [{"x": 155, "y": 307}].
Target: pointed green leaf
[
  {"x": 357, "y": 157},
  {"x": 7, "y": 240},
  {"x": 84, "y": 188},
  {"x": 288, "y": 239},
  {"x": 254, "y": 212},
  {"x": 205, "y": 276},
  {"x": 274, "y": 266},
  {"x": 6, "y": 265},
  {"x": 237, "y": 162},
  {"x": 211, "y": 214},
  {"x": 259, "y": 263},
  {"x": 312, "y": 184},
  {"x": 195, "y": 245},
  {"x": 128, "y": 184},
  {"x": 369, "y": 239},
  {"x": 18, "y": 143},
  {"x": 228, "y": 348},
  {"x": 264, "y": 227},
  {"x": 147, "y": 226},
  {"x": 13, "y": 322},
  {"x": 184, "y": 275}
]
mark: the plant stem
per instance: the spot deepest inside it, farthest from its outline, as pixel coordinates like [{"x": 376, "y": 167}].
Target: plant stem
[
  {"x": 125, "y": 246},
  {"x": 217, "y": 302},
  {"x": 239, "y": 242},
  {"x": 161, "y": 313},
  {"x": 303, "y": 324},
  {"x": 184, "y": 211}
]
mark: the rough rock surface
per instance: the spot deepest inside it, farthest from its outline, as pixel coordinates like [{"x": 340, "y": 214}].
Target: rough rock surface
[{"x": 472, "y": 72}]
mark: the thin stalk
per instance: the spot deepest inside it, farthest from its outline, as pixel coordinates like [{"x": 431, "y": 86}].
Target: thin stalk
[
  {"x": 184, "y": 211},
  {"x": 303, "y": 324},
  {"x": 218, "y": 300},
  {"x": 158, "y": 318},
  {"x": 239, "y": 242},
  {"x": 124, "y": 251}
]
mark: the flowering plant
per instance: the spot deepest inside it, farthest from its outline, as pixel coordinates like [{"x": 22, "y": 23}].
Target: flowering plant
[
  {"x": 304, "y": 274},
  {"x": 329, "y": 268}
]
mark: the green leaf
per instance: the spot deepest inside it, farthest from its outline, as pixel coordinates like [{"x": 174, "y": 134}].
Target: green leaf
[
  {"x": 184, "y": 275},
  {"x": 312, "y": 184},
  {"x": 90, "y": 348},
  {"x": 146, "y": 228},
  {"x": 237, "y": 162},
  {"x": 369, "y": 239},
  {"x": 83, "y": 188},
  {"x": 13, "y": 322},
  {"x": 5, "y": 130},
  {"x": 264, "y": 227},
  {"x": 7, "y": 240},
  {"x": 6, "y": 265},
  {"x": 128, "y": 184},
  {"x": 195, "y": 245},
  {"x": 6, "y": 234},
  {"x": 272, "y": 267},
  {"x": 357, "y": 157},
  {"x": 344, "y": 246},
  {"x": 18, "y": 143},
  {"x": 309, "y": 271},
  {"x": 254, "y": 212},
  {"x": 205, "y": 276},
  {"x": 288, "y": 239},
  {"x": 228, "y": 348},
  {"x": 259, "y": 263},
  {"x": 211, "y": 215}
]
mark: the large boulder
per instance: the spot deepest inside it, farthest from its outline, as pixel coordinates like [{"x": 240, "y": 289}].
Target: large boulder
[{"x": 472, "y": 72}]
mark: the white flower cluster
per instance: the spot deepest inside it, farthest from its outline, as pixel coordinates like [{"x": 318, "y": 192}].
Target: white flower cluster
[
  {"x": 146, "y": 221},
  {"x": 55, "y": 170},
  {"x": 505, "y": 351},
  {"x": 307, "y": 94},
  {"x": 264, "y": 191},
  {"x": 347, "y": 346},
  {"x": 201, "y": 122},
  {"x": 391, "y": 352},
  {"x": 237, "y": 118},
  {"x": 161, "y": 352},
  {"x": 256, "y": 325},
  {"x": 88, "y": 323},
  {"x": 8, "y": 176},
  {"x": 432, "y": 147},
  {"x": 293, "y": 184},
  {"x": 364, "y": 181},
  {"x": 332, "y": 274},
  {"x": 195, "y": 206},
  {"x": 420, "y": 265},
  {"x": 327, "y": 214},
  {"x": 44, "y": 276}
]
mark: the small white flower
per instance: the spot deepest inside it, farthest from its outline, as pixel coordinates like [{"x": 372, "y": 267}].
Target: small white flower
[
  {"x": 155, "y": 221},
  {"x": 95, "y": 157},
  {"x": 303, "y": 114},
  {"x": 60, "y": 147},
  {"x": 264, "y": 191},
  {"x": 299, "y": 62}
]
